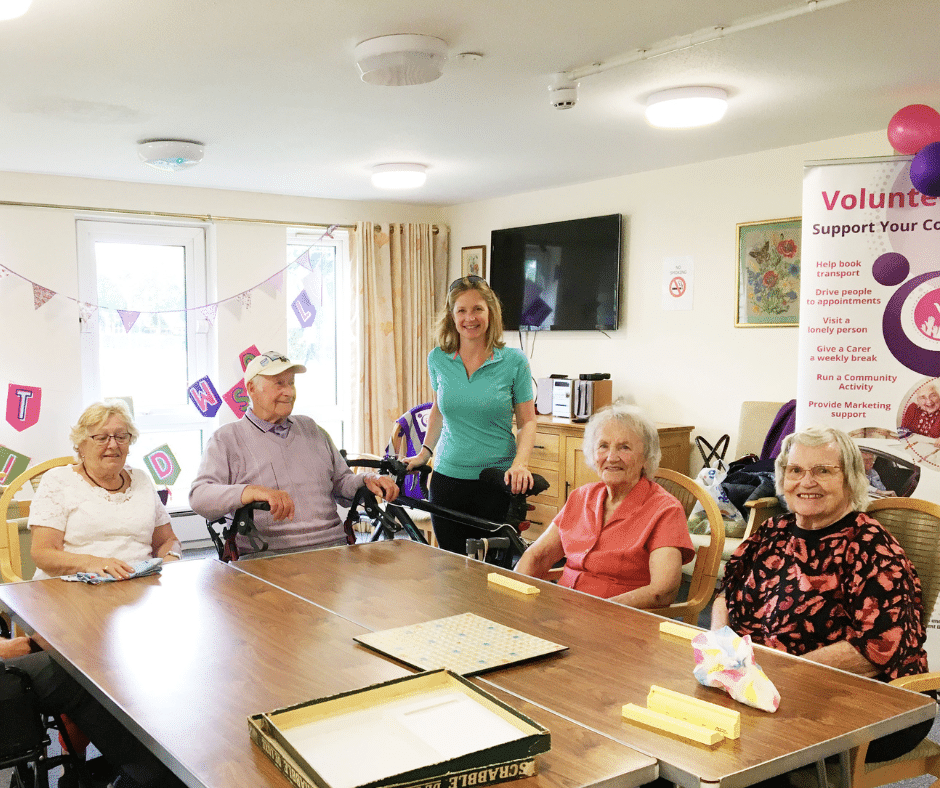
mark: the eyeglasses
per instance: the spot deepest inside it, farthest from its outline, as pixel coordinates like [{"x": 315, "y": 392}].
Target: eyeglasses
[
  {"x": 120, "y": 438},
  {"x": 470, "y": 280},
  {"x": 818, "y": 472}
]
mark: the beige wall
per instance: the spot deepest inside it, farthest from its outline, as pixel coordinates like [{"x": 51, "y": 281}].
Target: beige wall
[
  {"x": 690, "y": 367},
  {"x": 42, "y": 347}
]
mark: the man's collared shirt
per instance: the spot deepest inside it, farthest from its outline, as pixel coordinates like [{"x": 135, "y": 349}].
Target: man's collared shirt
[{"x": 281, "y": 430}]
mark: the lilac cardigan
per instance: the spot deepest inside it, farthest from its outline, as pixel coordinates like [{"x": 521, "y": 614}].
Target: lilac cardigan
[{"x": 305, "y": 464}]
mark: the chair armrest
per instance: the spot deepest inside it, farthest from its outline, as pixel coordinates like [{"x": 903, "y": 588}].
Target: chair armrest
[
  {"x": 761, "y": 510},
  {"x": 918, "y": 683},
  {"x": 762, "y": 502},
  {"x": 675, "y": 610}
]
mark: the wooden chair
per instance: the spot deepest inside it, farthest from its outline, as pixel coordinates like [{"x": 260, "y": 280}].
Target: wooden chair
[
  {"x": 915, "y": 524},
  {"x": 707, "y": 556},
  {"x": 13, "y": 513}
]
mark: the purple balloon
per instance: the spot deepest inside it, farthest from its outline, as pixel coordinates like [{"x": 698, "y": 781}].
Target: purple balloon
[{"x": 925, "y": 170}]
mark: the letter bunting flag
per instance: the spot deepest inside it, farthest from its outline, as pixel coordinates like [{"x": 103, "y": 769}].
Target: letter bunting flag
[{"x": 23, "y": 406}]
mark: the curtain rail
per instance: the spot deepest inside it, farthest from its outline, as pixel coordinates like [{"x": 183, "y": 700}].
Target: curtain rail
[{"x": 172, "y": 215}]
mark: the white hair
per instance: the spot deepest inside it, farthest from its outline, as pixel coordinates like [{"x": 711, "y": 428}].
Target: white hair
[{"x": 633, "y": 419}]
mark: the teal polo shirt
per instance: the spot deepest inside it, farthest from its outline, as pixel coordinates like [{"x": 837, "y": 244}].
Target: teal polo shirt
[{"x": 478, "y": 411}]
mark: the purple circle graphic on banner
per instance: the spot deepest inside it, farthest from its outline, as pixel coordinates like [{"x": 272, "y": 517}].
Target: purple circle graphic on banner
[
  {"x": 890, "y": 269},
  {"x": 912, "y": 355}
]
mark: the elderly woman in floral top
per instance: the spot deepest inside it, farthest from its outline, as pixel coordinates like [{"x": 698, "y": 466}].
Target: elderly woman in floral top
[
  {"x": 826, "y": 581},
  {"x": 923, "y": 414}
]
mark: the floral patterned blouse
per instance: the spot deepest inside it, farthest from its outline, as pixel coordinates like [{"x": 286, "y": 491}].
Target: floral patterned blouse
[{"x": 797, "y": 590}]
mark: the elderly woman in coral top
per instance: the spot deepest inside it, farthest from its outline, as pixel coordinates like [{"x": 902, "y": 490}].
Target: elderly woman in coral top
[{"x": 624, "y": 538}]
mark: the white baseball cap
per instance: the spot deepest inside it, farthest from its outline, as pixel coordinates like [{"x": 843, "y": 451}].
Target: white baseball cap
[{"x": 270, "y": 363}]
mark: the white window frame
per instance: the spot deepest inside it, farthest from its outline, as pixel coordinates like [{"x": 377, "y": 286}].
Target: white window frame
[
  {"x": 341, "y": 411},
  {"x": 200, "y": 333}
]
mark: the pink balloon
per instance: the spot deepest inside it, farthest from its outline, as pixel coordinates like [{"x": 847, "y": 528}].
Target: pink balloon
[{"x": 913, "y": 127}]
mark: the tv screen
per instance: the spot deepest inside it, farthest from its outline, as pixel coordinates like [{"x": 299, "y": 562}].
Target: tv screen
[{"x": 561, "y": 276}]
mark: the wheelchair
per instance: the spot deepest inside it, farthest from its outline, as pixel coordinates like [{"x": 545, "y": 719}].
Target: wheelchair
[{"x": 24, "y": 733}]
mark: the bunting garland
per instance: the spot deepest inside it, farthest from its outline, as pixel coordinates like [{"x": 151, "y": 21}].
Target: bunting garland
[
  {"x": 209, "y": 312},
  {"x": 128, "y": 318},
  {"x": 41, "y": 295},
  {"x": 86, "y": 310},
  {"x": 304, "y": 259}
]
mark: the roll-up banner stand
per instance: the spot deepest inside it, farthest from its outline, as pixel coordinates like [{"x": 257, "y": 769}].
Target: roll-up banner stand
[{"x": 869, "y": 349}]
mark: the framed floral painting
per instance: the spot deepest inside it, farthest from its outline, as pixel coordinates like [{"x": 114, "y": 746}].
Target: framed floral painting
[
  {"x": 473, "y": 261},
  {"x": 769, "y": 273}
]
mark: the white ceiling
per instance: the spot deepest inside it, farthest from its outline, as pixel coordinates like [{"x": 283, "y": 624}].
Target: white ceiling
[{"x": 272, "y": 89}]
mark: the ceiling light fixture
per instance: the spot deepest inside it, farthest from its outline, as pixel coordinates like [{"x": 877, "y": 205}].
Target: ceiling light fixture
[
  {"x": 170, "y": 155},
  {"x": 401, "y": 59},
  {"x": 686, "y": 108},
  {"x": 399, "y": 176},
  {"x": 11, "y": 9}
]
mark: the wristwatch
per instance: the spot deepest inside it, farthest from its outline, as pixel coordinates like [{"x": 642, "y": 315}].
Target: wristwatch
[{"x": 177, "y": 556}]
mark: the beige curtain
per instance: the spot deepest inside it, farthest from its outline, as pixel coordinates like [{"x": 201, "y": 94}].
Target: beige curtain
[{"x": 398, "y": 281}]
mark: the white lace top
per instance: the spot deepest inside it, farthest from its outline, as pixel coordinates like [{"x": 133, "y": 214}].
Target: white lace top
[{"x": 95, "y": 521}]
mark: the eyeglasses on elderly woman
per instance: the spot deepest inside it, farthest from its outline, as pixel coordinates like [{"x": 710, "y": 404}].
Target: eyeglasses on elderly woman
[
  {"x": 471, "y": 279},
  {"x": 120, "y": 438},
  {"x": 818, "y": 472}
]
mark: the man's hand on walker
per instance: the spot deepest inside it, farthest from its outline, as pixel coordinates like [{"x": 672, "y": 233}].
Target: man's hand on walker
[
  {"x": 282, "y": 506},
  {"x": 382, "y": 485}
]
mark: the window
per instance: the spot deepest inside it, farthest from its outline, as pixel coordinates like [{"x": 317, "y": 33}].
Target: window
[
  {"x": 322, "y": 393},
  {"x": 159, "y": 271}
]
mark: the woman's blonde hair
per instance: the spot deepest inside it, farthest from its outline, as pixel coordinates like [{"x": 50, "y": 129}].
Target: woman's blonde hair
[
  {"x": 97, "y": 414},
  {"x": 447, "y": 336}
]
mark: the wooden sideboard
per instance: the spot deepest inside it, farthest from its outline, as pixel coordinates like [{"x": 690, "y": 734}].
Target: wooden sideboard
[{"x": 558, "y": 456}]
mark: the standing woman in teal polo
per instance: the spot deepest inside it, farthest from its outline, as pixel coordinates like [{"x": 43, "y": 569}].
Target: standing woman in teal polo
[{"x": 479, "y": 386}]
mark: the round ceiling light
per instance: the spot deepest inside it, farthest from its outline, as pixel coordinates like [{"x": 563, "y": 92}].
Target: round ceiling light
[
  {"x": 399, "y": 176},
  {"x": 686, "y": 108},
  {"x": 170, "y": 155},
  {"x": 401, "y": 59},
  {"x": 11, "y": 9}
]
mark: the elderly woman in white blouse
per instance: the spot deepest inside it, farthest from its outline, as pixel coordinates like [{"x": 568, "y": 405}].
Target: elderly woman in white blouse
[{"x": 99, "y": 515}]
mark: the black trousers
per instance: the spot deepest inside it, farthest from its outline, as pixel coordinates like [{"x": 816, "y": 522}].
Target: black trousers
[
  {"x": 894, "y": 745},
  {"x": 59, "y": 693},
  {"x": 468, "y": 496}
]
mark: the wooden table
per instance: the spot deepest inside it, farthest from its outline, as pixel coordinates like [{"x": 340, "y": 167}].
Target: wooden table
[
  {"x": 615, "y": 654},
  {"x": 184, "y": 658}
]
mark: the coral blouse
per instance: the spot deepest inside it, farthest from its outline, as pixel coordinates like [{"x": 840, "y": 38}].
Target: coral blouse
[{"x": 610, "y": 559}]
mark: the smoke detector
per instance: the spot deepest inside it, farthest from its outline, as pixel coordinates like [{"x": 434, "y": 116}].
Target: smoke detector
[
  {"x": 562, "y": 92},
  {"x": 401, "y": 59}
]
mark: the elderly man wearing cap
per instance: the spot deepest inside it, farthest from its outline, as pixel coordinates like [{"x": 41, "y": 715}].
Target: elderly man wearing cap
[{"x": 288, "y": 461}]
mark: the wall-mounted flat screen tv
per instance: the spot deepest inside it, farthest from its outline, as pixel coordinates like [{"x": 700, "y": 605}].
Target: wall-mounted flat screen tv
[{"x": 561, "y": 276}]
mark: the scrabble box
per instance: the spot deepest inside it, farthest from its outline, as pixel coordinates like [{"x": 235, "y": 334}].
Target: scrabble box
[{"x": 430, "y": 730}]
